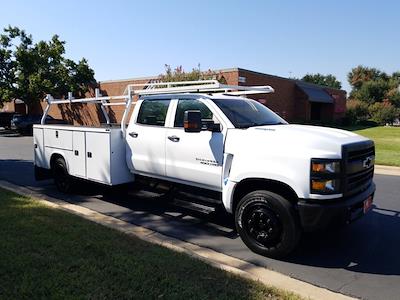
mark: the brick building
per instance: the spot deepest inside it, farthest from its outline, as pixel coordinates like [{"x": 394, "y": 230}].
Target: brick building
[{"x": 294, "y": 100}]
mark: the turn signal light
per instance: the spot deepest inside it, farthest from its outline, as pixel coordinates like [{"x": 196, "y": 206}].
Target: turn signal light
[
  {"x": 318, "y": 185},
  {"x": 327, "y": 186}
]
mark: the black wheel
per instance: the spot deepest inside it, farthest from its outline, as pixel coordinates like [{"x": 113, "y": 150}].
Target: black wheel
[
  {"x": 267, "y": 224},
  {"x": 62, "y": 179}
]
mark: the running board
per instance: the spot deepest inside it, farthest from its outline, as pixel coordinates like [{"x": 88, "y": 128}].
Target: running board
[{"x": 194, "y": 206}]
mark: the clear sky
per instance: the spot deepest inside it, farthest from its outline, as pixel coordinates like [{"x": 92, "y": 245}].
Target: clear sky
[{"x": 124, "y": 39}]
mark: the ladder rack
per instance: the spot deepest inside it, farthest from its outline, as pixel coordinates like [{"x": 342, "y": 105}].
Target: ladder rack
[
  {"x": 154, "y": 88},
  {"x": 198, "y": 86}
]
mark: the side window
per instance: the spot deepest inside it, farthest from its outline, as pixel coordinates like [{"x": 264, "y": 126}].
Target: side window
[
  {"x": 153, "y": 112},
  {"x": 183, "y": 105}
]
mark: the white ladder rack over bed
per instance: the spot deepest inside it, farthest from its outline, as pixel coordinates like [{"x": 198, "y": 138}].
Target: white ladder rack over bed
[{"x": 155, "y": 88}]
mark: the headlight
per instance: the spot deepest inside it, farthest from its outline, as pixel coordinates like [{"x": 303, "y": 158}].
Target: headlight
[
  {"x": 325, "y": 176},
  {"x": 325, "y": 166}
]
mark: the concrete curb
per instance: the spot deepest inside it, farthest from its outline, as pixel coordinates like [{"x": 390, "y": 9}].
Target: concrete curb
[
  {"x": 212, "y": 257},
  {"x": 387, "y": 170}
]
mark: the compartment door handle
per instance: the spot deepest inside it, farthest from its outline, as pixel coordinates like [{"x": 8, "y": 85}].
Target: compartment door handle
[{"x": 133, "y": 134}]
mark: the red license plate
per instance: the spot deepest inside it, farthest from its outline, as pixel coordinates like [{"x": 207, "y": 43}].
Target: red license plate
[{"x": 367, "y": 204}]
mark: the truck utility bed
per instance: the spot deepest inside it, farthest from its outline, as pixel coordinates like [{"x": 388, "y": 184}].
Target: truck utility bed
[{"x": 93, "y": 153}]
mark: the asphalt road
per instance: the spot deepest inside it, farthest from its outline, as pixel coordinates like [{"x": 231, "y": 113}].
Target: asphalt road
[{"x": 360, "y": 260}]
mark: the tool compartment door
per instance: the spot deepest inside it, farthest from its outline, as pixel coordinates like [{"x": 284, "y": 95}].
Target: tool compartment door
[
  {"x": 78, "y": 161},
  {"x": 40, "y": 159},
  {"x": 98, "y": 156},
  {"x": 58, "y": 138}
]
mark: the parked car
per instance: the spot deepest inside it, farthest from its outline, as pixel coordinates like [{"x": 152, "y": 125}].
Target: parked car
[
  {"x": 24, "y": 123},
  {"x": 5, "y": 119}
]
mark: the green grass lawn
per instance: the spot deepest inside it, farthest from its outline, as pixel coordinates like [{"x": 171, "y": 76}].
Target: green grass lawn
[
  {"x": 387, "y": 143},
  {"x": 49, "y": 253}
]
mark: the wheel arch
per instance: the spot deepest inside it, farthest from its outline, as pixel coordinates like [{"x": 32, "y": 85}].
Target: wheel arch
[
  {"x": 251, "y": 184},
  {"x": 54, "y": 157}
]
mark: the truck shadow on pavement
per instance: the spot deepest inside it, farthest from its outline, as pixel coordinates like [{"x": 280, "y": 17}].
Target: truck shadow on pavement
[{"x": 370, "y": 245}]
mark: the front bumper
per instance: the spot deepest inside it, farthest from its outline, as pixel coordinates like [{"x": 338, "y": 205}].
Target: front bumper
[{"x": 317, "y": 215}]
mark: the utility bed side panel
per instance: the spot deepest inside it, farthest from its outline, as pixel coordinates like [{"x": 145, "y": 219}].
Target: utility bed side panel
[{"x": 95, "y": 154}]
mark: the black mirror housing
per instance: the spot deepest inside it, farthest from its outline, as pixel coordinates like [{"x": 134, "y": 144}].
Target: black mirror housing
[
  {"x": 192, "y": 121},
  {"x": 211, "y": 126}
]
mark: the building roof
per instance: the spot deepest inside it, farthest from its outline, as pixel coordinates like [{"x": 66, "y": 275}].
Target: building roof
[
  {"x": 226, "y": 70},
  {"x": 314, "y": 92}
]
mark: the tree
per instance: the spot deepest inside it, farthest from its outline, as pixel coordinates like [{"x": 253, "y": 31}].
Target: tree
[
  {"x": 30, "y": 71},
  {"x": 361, "y": 74},
  {"x": 7, "y": 64},
  {"x": 179, "y": 74},
  {"x": 325, "y": 80},
  {"x": 371, "y": 91},
  {"x": 372, "y": 85},
  {"x": 393, "y": 96},
  {"x": 393, "y": 93}
]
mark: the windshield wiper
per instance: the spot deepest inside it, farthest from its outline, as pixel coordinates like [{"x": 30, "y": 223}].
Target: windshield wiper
[
  {"x": 245, "y": 126},
  {"x": 266, "y": 124}
]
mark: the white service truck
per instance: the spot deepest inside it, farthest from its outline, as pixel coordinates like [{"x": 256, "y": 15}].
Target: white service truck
[{"x": 276, "y": 179}]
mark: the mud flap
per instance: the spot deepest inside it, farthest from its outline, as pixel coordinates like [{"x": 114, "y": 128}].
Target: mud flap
[{"x": 42, "y": 173}]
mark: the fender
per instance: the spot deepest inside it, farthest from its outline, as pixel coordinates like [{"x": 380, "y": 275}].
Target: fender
[
  {"x": 228, "y": 189},
  {"x": 268, "y": 170}
]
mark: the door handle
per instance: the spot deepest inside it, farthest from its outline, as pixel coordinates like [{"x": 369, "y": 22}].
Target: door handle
[
  {"x": 133, "y": 134},
  {"x": 174, "y": 138}
]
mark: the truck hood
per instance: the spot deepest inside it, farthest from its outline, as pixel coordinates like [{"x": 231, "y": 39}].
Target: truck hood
[
  {"x": 313, "y": 132},
  {"x": 311, "y": 141}
]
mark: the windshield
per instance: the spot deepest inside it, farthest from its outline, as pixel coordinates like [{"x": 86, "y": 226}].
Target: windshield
[{"x": 244, "y": 113}]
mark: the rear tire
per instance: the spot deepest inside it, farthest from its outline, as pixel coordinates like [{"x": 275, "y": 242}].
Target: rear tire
[
  {"x": 267, "y": 224},
  {"x": 62, "y": 179}
]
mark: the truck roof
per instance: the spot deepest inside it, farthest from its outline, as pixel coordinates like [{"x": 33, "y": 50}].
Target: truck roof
[{"x": 189, "y": 96}]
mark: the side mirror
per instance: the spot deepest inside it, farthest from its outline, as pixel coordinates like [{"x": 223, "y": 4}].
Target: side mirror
[
  {"x": 211, "y": 126},
  {"x": 214, "y": 127},
  {"x": 192, "y": 121}
]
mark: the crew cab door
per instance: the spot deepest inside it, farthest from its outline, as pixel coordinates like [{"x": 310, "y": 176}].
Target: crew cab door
[
  {"x": 194, "y": 157},
  {"x": 146, "y": 138}
]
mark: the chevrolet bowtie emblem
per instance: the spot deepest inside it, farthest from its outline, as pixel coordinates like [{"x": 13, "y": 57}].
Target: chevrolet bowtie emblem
[{"x": 368, "y": 162}]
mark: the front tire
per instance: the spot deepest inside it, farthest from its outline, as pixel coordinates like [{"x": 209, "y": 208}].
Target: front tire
[
  {"x": 267, "y": 224},
  {"x": 62, "y": 179}
]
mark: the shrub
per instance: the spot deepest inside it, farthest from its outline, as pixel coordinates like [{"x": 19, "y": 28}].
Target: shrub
[
  {"x": 384, "y": 112},
  {"x": 356, "y": 112}
]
